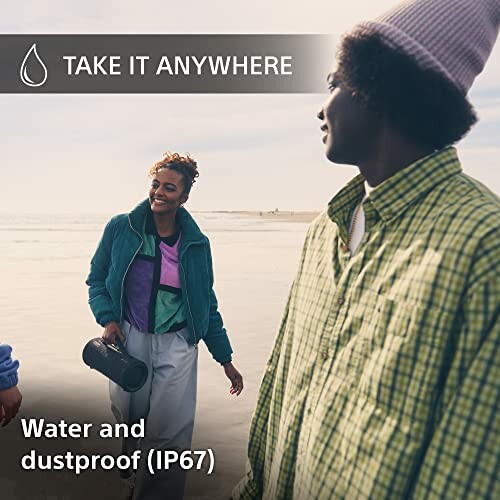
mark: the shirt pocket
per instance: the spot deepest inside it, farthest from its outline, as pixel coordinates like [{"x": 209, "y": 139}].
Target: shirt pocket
[
  {"x": 395, "y": 317},
  {"x": 413, "y": 321},
  {"x": 402, "y": 356}
]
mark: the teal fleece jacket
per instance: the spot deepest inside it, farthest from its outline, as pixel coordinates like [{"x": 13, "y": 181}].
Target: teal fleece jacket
[{"x": 119, "y": 245}]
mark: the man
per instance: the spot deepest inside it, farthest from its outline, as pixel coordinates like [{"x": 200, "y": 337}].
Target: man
[
  {"x": 384, "y": 378},
  {"x": 10, "y": 396}
]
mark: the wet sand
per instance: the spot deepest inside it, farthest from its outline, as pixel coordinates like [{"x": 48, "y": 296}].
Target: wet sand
[
  {"x": 47, "y": 320},
  {"x": 277, "y": 215}
]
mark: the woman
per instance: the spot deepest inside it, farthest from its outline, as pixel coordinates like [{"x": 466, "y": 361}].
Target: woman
[{"x": 151, "y": 285}]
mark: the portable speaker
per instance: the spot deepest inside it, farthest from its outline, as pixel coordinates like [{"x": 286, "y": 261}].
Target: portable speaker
[{"x": 115, "y": 363}]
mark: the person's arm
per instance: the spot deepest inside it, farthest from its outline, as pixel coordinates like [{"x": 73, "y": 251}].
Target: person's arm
[
  {"x": 99, "y": 299},
  {"x": 216, "y": 339},
  {"x": 462, "y": 458},
  {"x": 10, "y": 396}
]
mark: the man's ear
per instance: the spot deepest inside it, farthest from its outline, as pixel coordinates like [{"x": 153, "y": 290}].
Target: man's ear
[{"x": 185, "y": 197}]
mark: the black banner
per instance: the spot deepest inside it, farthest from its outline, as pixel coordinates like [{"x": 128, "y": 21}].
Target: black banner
[{"x": 164, "y": 63}]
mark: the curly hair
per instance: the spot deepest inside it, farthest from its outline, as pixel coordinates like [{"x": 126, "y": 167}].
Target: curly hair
[
  {"x": 422, "y": 104},
  {"x": 184, "y": 165}
]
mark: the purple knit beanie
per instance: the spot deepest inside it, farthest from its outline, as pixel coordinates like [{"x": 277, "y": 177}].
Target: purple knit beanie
[{"x": 453, "y": 37}]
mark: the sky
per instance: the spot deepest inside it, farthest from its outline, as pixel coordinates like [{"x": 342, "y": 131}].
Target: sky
[{"x": 83, "y": 154}]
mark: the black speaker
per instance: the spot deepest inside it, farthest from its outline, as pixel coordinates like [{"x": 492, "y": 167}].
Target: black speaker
[{"x": 115, "y": 363}]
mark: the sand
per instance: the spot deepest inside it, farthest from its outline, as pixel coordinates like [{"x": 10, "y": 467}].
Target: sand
[
  {"x": 47, "y": 320},
  {"x": 277, "y": 215}
]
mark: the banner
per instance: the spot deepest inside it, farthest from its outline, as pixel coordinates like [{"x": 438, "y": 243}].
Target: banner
[{"x": 164, "y": 63}]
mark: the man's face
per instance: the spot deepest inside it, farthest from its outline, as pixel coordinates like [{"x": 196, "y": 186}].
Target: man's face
[{"x": 350, "y": 129}]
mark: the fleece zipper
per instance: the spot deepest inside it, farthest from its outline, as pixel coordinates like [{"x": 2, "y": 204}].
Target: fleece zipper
[{"x": 128, "y": 267}]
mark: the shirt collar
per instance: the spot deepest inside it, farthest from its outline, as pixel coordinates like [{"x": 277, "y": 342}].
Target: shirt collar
[{"x": 390, "y": 198}]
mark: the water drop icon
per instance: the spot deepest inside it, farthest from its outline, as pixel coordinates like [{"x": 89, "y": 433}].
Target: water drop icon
[{"x": 32, "y": 59}]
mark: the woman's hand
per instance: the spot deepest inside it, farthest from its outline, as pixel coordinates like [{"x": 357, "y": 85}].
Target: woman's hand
[
  {"x": 10, "y": 401},
  {"x": 111, "y": 331},
  {"x": 235, "y": 377}
]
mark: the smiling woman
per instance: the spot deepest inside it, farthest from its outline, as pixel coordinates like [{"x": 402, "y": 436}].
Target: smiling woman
[
  {"x": 151, "y": 285},
  {"x": 173, "y": 178}
]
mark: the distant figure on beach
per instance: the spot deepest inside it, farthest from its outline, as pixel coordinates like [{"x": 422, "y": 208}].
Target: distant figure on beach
[
  {"x": 151, "y": 285},
  {"x": 384, "y": 380},
  {"x": 10, "y": 395}
]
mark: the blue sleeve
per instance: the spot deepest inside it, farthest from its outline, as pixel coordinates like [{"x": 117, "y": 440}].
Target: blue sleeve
[{"x": 8, "y": 368}]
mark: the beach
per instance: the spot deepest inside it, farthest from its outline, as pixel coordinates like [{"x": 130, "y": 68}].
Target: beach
[
  {"x": 47, "y": 320},
  {"x": 276, "y": 215}
]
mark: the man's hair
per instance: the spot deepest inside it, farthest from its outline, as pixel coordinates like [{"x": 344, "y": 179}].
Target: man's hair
[
  {"x": 184, "y": 165},
  {"x": 422, "y": 104}
]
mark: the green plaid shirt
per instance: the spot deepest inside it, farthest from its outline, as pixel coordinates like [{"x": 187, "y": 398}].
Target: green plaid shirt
[{"x": 384, "y": 378}]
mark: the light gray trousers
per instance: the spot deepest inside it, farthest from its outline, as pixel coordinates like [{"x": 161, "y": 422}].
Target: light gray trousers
[{"x": 167, "y": 402}]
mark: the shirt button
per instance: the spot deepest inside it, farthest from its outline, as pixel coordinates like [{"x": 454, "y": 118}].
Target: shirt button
[
  {"x": 340, "y": 300},
  {"x": 344, "y": 247}
]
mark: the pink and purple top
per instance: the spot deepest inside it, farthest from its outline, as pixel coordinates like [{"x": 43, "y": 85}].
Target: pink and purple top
[{"x": 153, "y": 294}]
